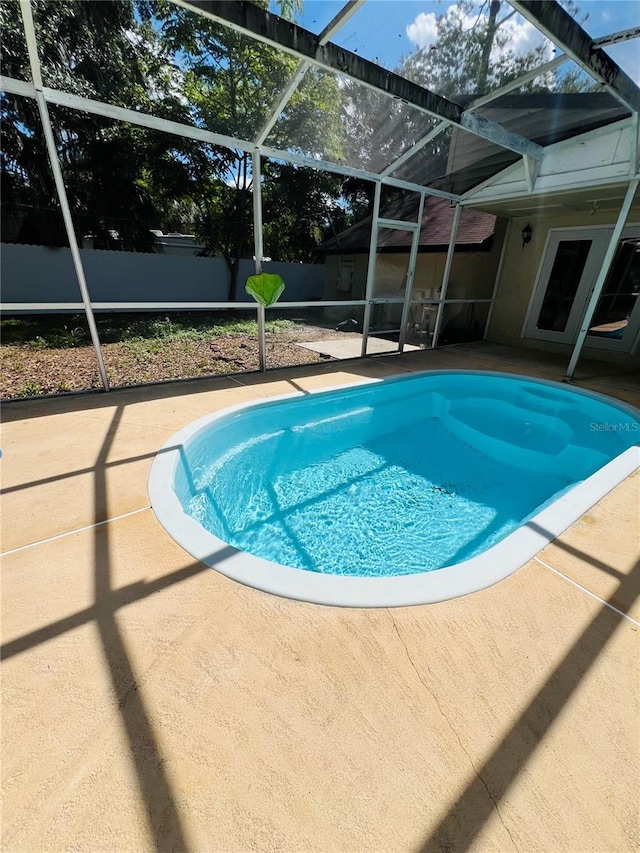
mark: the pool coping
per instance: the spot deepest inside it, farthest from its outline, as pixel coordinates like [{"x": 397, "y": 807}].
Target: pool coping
[{"x": 480, "y": 572}]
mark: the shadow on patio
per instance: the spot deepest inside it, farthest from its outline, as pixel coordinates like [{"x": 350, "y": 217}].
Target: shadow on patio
[{"x": 461, "y": 819}]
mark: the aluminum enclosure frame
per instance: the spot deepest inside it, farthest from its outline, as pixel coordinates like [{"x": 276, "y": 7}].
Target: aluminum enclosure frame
[{"x": 548, "y": 17}]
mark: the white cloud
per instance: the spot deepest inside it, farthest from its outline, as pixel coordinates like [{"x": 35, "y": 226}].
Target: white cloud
[
  {"x": 521, "y": 35},
  {"x": 424, "y": 30}
]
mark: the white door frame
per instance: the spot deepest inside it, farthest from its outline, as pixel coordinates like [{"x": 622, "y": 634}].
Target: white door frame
[
  {"x": 380, "y": 224},
  {"x": 600, "y": 236},
  {"x": 626, "y": 342}
]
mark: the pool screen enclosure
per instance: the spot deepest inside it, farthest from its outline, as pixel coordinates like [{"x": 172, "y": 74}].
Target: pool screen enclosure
[{"x": 404, "y": 162}]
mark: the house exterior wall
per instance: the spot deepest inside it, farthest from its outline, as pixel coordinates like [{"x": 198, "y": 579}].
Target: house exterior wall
[
  {"x": 519, "y": 273},
  {"x": 472, "y": 273},
  {"x": 333, "y": 275}
]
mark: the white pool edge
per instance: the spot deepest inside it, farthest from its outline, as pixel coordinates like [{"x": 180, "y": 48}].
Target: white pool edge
[{"x": 480, "y": 572}]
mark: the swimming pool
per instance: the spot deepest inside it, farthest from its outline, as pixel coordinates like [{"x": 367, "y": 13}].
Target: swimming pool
[{"x": 408, "y": 490}]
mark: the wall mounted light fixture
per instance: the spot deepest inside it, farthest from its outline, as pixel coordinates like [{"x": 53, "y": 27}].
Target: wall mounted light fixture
[{"x": 526, "y": 235}]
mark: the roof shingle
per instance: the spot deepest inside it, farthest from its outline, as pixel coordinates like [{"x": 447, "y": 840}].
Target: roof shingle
[{"x": 475, "y": 229}]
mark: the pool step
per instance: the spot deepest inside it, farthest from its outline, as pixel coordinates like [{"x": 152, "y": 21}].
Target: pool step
[{"x": 533, "y": 441}]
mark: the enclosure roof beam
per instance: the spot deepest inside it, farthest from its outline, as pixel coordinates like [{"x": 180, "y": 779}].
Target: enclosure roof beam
[
  {"x": 616, "y": 38},
  {"x": 558, "y": 25},
  {"x": 88, "y": 105},
  {"x": 340, "y": 19},
  {"x": 352, "y": 171},
  {"x": 417, "y": 146},
  {"x": 518, "y": 82},
  {"x": 479, "y": 102},
  {"x": 139, "y": 119},
  {"x": 347, "y": 11},
  {"x": 257, "y": 23},
  {"x": 282, "y": 102}
]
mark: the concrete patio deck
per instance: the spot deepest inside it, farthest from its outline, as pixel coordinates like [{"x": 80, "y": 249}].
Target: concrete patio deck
[{"x": 150, "y": 703}]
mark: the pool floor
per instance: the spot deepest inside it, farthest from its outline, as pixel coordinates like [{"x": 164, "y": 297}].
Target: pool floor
[{"x": 416, "y": 499}]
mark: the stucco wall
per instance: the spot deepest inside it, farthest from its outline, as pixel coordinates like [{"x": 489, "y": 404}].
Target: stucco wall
[
  {"x": 472, "y": 273},
  {"x": 519, "y": 272}
]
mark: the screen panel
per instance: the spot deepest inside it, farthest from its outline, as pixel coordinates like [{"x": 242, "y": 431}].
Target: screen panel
[
  {"x": 15, "y": 61},
  {"x": 313, "y": 335},
  {"x": 349, "y": 124}
]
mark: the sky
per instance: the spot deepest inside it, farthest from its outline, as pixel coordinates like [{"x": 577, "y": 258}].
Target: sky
[{"x": 386, "y": 30}]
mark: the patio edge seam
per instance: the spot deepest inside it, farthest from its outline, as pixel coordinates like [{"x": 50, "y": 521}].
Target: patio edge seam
[
  {"x": 588, "y": 591},
  {"x": 75, "y": 530}
]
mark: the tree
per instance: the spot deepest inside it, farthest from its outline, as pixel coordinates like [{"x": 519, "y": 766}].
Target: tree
[
  {"x": 302, "y": 208},
  {"x": 123, "y": 180},
  {"x": 473, "y": 53},
  {"x": 232, "y": 84},
  {"x": 97, "y": 50}
]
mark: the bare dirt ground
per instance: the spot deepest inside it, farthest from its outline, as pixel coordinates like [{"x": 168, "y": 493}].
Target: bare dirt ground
[{"x": 29, "y": 371}]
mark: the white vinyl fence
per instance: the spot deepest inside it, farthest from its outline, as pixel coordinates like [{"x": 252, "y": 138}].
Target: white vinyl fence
[{"x": 39, "y": 274}]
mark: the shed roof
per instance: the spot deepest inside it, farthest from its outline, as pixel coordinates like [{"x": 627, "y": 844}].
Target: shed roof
[{"x": 474, "y": 230}]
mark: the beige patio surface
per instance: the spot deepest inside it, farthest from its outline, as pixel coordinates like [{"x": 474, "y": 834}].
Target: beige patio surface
[
  {"x": 150, "y": 703},
  {"x": 351, "y": 347}
]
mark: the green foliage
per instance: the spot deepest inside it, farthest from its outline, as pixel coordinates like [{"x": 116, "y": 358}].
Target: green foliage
[
  {"x": 31, "y": 388},
  {"x": 232, "y": 84},
  {"x": 459, "y": 62},
  {"x": 83, "y": 46},
  {"x": 97, "y": 50},
  {"x": 184, "y": 328},
  {"x": 302, "y": 208},
  {"x": 472, "y": 53},
  {"x": 311, "y": 123},
  {"x": 48, "y": 332},
  {"x": 61, "y": 339},
  {"x": 42, "y": 332},
  {"x": 123, "y": 181}
]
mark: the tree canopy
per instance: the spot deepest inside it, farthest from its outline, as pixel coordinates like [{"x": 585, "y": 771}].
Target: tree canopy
[
  {"x": 472, "y": 54},
  {"x": 125, "y": 181},
  {"x": 96, "y": 50},
  {"x": 122, "y": 180}
]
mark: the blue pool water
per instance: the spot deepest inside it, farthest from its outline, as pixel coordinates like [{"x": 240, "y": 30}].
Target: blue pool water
[{"x": 395, "y": 478}]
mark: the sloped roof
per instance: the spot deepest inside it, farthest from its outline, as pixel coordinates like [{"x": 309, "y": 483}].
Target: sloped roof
[
  {"x": 543, "y": 117},
  {"x": 475, "y": 230},
  {"x": 549, "y": 117}
]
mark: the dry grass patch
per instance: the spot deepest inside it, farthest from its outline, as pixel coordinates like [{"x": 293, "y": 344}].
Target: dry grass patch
[{"x": 49, "y": 355}]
